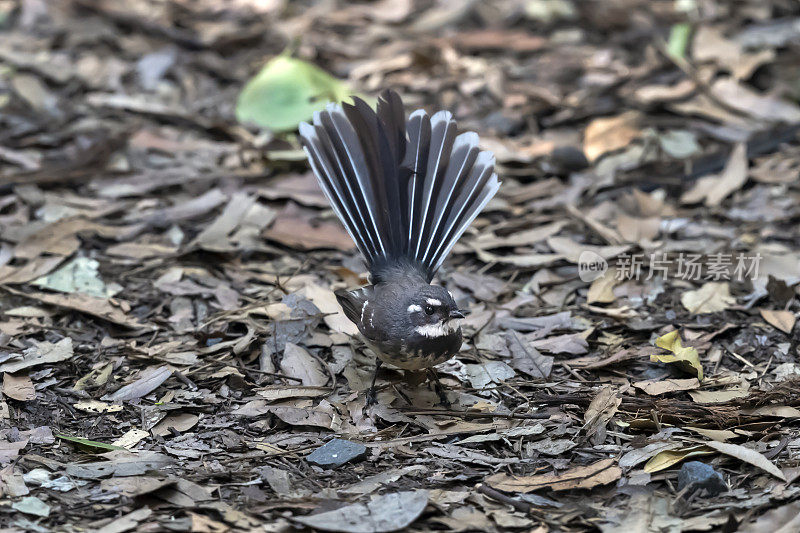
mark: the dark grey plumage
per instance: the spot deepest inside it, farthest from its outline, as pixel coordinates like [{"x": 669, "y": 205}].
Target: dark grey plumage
[{"x": 405, "y": 191}]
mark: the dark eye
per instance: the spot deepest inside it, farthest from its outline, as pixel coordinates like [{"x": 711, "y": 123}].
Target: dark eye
[{"x": 429, "y": 309}]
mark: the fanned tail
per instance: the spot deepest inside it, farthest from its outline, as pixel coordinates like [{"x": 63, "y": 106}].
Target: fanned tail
[{"x": 405, "y": 191}]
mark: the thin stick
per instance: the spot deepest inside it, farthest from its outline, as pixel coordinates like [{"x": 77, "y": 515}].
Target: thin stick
[{"x": 496, "y": 495}]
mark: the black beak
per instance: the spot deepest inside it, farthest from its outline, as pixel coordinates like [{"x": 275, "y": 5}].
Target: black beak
[{"x": 456, "y": 313}]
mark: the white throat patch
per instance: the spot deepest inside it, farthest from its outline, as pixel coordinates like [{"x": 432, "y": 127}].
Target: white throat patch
[{"x": 440, "y": 329}]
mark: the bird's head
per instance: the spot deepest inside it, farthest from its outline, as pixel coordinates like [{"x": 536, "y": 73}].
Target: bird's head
[{"x": 433, "y": 312}]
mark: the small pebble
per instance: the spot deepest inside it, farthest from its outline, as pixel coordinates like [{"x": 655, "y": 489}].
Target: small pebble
[
  {"x": 336, "y": 453},
  {"x": 568, "y": 159},
  {"x": 701, "y": 476}
]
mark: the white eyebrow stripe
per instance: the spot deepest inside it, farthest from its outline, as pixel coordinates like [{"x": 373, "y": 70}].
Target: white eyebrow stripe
[
  {"x": 434, "y": 302},
  {"x": 414, "y": 308}
]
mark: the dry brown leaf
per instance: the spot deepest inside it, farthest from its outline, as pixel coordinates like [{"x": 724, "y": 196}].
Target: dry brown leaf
[
  {"x": 708, "y": 44},
  {"x": 487, "y": 240},
  {"x": 531, "y": 260},
  {"x": 177, "y": 421},
  {"x": 783, "y": 320},
  {"x": 781, "y": 411},
  {"x": 656, "y": 387},
  {"x": 96, "y": 406},
  {"x": 33, "y": 269},
  {"x": 651, "y": 94},
  {"x": 216, "y": 236},
  {"x": 780, "y": 167},
  {"x": 60, "y": 237},
  {"x": 326, "y": 302},
  {"x": 18, "y": 386},
  {"x": 607, "y": 134},
  {"x": 137, "y": 250},
  {"x": 298, "y": 363},
  {"x": 150, "y": 380},
  {"x": 718, "y": 396},
  {"x": 667, "y": 458},
  {"x": 99, "y": 307},
  {"x": 602, "y": 289},
  {"x": 582, "y": 477},
  {"x": 713, "y": 189},
  {"x": 785, "y": 519},
  {"x": 747, "y": 455},
  {"x": 301, "y": 416},
  {"x": 40, "y": 353},
  {"x": 636, "y": 229},
  {"x": 572, "y": 250},
  {"x": 296, "y": 227},
  {"x": 601, "y": 409},
  {"x": 753, "y": 104},
  {"x": 710, "y": 298},
  {"x": 281, "y": 392},
  {"x": 490, "y": 39}
]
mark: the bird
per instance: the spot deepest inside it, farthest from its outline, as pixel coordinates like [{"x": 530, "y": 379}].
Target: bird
[{"x": 405, "y": 191}]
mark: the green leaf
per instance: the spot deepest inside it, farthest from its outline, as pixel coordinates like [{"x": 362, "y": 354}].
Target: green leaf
[
  {"x": 286, "y": 92},
  {"x": 678, "y": 40},
  {"x": 93, "y": 444}
]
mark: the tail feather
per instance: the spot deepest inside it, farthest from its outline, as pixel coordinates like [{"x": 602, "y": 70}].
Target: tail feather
[
  {"x": 323, "y": 163},
  {"x": 419, "y": 134},
  {"x": 464, "y": 154},
  {"x": 345, "y": 139},
  {"x": 443, "y": 135},
  {"x": 481, "y": 187},
  {"x": 405, "y": 191}
]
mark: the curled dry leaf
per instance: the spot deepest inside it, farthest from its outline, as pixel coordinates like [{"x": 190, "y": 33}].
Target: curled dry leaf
[
  {"x": 656, "y": 387},
  {"x": 783, "y": 320},
  {"x": 582, "y": 477},
  {"x": 18, "y": 386},
  {"x": 602, "y": 289},
  {"x": 668, "y": 458},
  {"x": 604, "y": 135},
  {"x": 747, "y": 455},
  {"x": 785, "y": 519},
  {"x": 687, "y": 358},
  {"x": 149, "y": 381},
  {"x": 298, "y": 363},
  {"x": 714, "y": 189},
  {"x": 601, "y": 409}
]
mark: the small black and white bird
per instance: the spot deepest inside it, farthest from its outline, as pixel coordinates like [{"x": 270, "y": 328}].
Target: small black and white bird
[{"x": 405, "y": 191}]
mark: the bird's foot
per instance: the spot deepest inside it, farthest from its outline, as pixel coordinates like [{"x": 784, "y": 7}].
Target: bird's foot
[{"x": 438, "y": 388}]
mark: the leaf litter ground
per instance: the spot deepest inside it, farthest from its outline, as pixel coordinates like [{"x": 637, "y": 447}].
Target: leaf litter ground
[{"x": 171, "y": 348}]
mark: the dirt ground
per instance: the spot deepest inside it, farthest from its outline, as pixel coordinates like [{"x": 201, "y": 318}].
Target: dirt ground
[{"x": 173, "y": 357}]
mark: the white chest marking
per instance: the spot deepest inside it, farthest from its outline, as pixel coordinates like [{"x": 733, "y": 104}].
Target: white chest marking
[{"x": 440, "y": 329}]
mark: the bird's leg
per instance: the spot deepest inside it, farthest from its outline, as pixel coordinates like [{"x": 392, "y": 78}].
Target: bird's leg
[
  {"x": 372, "y": 397},
  {"x": 438, "y": 388}
]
